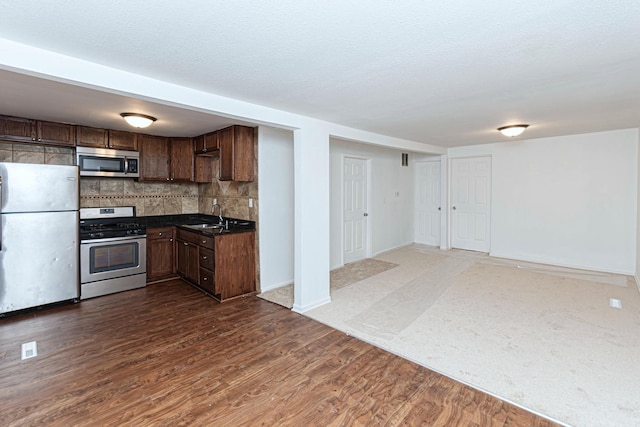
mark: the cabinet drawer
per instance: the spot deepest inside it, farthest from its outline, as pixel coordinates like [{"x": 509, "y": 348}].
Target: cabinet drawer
[
  {"x": 205, "y": 241},
  {"x": 207, "y": 280},
  {"x": 159, "y": 233},
  {"x": 188, "y": 236},
  {"x": 206, "y": 258}
]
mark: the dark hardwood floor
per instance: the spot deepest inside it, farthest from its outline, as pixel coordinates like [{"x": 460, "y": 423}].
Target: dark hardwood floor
[{"x": 167, "y": 355}]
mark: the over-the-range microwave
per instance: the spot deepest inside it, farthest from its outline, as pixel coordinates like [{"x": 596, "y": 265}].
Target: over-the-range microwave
[{"x": 108, "y": 162}]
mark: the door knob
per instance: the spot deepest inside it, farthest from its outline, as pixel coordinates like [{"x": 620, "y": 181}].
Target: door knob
[
  {"x": 439, "y": 208},
  {"x": 366, "y": 214},
  {"x": 454, "y": 208}
]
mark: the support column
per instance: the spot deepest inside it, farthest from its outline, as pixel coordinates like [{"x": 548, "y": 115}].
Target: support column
[{"x": 311, "y": 235}]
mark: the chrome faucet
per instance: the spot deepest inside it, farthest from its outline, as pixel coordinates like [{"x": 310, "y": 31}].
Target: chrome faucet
[{"x": 213, "y": 212}]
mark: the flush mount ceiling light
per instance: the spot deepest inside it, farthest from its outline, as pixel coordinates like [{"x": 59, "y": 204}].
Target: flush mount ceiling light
[
  {"x": 512, "y": 130},
  {"x": 138, "y": 120}
]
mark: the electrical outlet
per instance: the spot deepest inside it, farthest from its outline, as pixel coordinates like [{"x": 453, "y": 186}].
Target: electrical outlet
[
  {"x": 615, "y": 303},
  {"x": 250, "y": 203},
  {"x": 29, "y": 350},
  {"x": 215, "y": 201}
]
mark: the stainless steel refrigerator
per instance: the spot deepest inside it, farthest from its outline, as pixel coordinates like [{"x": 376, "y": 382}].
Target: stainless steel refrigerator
[{"x": 39, "y": 237}]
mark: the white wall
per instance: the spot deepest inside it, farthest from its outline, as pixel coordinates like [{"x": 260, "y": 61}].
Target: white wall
[
  {"x": 568, "y": 200},
  {"x": 276, "y": 207},
  {"x": 391, "y": 216},
  {"x": 638, "y": 220}
]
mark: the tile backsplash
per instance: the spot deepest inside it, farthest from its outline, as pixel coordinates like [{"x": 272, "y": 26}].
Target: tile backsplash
[{"x": 149, "y": 198}]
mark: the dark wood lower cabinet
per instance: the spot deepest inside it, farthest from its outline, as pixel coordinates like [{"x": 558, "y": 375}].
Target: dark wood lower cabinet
[
  {"x": 160, "y": 253},
  {"x": 235, "y": 272},
  {"x": 187, "y": 256},
  {"x": 222, "y": 265}
]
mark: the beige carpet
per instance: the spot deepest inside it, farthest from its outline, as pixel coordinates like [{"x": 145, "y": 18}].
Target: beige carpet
[
  {"x": 341, "y": 277},
  {"x": 542, "y": 337}
]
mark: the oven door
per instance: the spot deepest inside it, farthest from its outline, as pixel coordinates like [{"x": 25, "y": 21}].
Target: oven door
[{"x": 103, "y": 259}]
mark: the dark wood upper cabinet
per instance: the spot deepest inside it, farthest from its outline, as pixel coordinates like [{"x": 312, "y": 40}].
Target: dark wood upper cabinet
[
  {"x": 92, "y": 137},
  {"x": 27, "y": 130},
  {"x": 181, "y": 159},
  {"x": 56, "y": 133},
  {"x": 154, "y": 158},
  {"x": 203, "y": 169},
  {"x": 121, "y": 140},
  {"x": 106, "y": 138},
  {"x": 236, "y": 153},
  {"x": 207, "y": 144},
  {"x": 17, "y": 129},
  {"x": 166, "y": 159}
]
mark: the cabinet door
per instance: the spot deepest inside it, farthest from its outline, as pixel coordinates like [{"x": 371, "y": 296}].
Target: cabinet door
[
  {"x": 243, "y": 153},
  {"x": 121, "y": 140},
  {"x": 187, "y": 266},
  {"x": 92, "y": 137},
  {"x": 181, "y": 159},
  {"x": 17, "y": 129},
  {"x": 211, "y": 141},
  {"x": 204, "y": 169},
  {"x": 56, "y": 133},
  {"x": 154, "y": 158},
  {"x": 182, "y": 256},
  {"x": 236, "y": 153},
  {"x": 160, "y": 253},
  {"x": 227, "y": 152},
  {"x": 198, "y": 144},
  {"x": 235, "y": 272},
  {"x": 206, "y": 144}
]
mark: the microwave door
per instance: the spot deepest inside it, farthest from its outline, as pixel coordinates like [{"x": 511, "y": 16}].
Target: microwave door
[{"x": 102, "y": 164}]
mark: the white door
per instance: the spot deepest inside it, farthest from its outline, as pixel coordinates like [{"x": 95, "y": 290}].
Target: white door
[
  {"x": 428, "y": 203},
  {"x": 470, "y": 203},
  {"x": 355, "y": 209}
]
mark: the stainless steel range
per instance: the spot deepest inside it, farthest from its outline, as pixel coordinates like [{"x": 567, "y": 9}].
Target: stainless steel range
[{"x": 113, "y": 251}]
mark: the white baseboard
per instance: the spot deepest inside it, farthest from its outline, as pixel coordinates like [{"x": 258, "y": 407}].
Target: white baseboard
[
  {"x": 275, "y": 286},
  {"x": 540, "y": 260},
  {"x": 402, "y": 245},
  {"x": 304, "y": 309}
]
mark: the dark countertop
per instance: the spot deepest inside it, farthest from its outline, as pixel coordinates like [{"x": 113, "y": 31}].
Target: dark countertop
[{"x": 232, "y": 225}]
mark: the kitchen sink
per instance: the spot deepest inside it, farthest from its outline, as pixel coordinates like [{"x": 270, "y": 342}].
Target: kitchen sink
[{"x": 205, "y": 226}]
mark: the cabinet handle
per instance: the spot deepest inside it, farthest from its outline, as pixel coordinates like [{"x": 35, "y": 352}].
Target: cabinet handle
[
  {"x": 186, "y": 244},
  {"x": 161, "y": 234},
  {"x": 204, "y": 257},
  {"x": 171, "y": 240},
  {"x": 204, "y": 242},
  {"x": 204, "y": 279}
]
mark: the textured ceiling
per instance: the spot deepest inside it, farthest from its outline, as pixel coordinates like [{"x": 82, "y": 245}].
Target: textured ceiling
[{"x": 444, "y": 73}]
